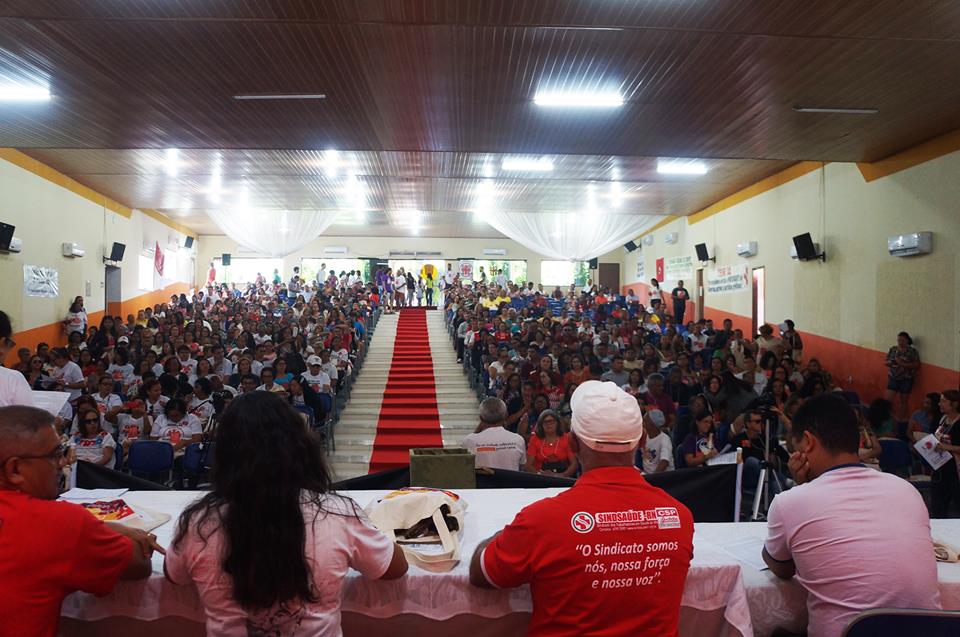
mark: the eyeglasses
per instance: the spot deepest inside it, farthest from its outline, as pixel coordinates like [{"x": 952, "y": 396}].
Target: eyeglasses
[
  {"x": 59, "y": 453},
  {"x": 87, "y": 421}
]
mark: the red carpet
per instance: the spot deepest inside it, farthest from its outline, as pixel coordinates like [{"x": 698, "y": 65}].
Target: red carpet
[{"x": 408, "y": 414}]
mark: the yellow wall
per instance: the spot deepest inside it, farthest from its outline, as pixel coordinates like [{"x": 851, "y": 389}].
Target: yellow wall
[
  {"x": 451, "y": 249},
  {"x": 47, "y": 215},
  {"x": 861, "y": 296}
]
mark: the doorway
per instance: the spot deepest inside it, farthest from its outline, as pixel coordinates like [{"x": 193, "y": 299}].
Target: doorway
[
  {"x": 609, "y": 276},
  {"x": 759, "y": 300},
  {"x": 700, "y": 307},
  {"x": 112, "y": 290}
]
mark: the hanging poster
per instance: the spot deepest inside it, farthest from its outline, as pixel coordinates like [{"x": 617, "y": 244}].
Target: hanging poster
[
  {"x": 727, "y": 279},
  {"x": 641, "y": 269},
  {"x": 678, "y": 268},
  {"x": 41, "y": 281},
  {"x": 660, "y": 270},
  {"x": 466, "y": 271}
]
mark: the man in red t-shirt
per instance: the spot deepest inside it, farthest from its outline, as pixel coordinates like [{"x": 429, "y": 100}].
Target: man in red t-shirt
[
  {"x": 610, "y": 555},
  {"x": 50, "y": 549}
]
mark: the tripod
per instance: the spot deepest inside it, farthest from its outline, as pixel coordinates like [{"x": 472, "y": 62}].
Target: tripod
[{"x": 767, "y": 472}]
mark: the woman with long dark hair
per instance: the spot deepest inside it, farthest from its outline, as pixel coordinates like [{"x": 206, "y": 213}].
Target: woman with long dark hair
[{"x": 270, "y": 545}]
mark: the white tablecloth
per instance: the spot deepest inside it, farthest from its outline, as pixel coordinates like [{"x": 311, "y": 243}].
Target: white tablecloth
[{"x": 752, "y": 601}]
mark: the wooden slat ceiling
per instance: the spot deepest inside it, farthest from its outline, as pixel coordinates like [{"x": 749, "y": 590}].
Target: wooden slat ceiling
[{"x": 425, "y": 92}]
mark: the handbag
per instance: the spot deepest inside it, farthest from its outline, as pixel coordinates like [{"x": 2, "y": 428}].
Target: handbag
[{"x": 425, "y": 523}]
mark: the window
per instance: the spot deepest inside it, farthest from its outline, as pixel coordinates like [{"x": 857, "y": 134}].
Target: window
[
  {"x": 170, "y": 262},
  {"x": 514, "y": 270},
  {"x": 145, "y": 273},
  {"x": 564, "y": 273},
  {"x": 243, "y": 270}
]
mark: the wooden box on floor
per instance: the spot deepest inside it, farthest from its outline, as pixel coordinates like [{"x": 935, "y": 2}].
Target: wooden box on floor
[{"x": 442, "y": 468}]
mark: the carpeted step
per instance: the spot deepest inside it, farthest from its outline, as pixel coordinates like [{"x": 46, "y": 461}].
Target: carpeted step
[
  {"x": 412, "y": 413},
  {"x": 406, "y": 441}
]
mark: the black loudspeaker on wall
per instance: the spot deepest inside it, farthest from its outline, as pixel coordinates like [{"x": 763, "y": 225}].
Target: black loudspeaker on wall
[
  {"x": 702, "y": 254},
  {"x": 629, "y": 246},
  {"x": 225, "y": 259},
  {"x": 594, "y": 263},
  {"x": 116, "y": 251},
  {"x": 188, "y": 243},
  {"x": 805, "y": 248}
]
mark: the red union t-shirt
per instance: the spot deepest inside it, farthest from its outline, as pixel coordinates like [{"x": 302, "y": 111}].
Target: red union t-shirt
[
  {"x": 47, "y": 551},
  {"x": 607, "y": 557}
]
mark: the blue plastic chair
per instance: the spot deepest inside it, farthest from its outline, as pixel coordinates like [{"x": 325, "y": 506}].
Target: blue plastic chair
[
  {"x": 196, "y": 458},
  {"x": 148, "y": 458},
  {"x": 896, "y": 622},
  {"x": 895, "y": 456}
]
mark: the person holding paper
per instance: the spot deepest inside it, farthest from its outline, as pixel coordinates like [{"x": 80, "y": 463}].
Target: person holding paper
[
  {"x": 945, "y": 483},
  {"x": 849, "y": 549},
  {"x": 14, "y": 389},
  {"x": 50, "y": 549}
]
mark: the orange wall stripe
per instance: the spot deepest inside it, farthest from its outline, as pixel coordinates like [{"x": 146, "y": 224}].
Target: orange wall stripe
[
  {"x": 784, "y": 176},
  {"x": 936, "y": 147}
]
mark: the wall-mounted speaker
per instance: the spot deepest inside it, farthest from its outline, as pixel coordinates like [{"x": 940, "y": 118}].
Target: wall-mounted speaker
[
  {"x": 225, "y": 259},
  {"x": 702, "y": 253},
  {"x": 629, "y": 246},
  {"x": 594, "y": 263},
  {"x": 188, "y": 243},
  {"x": 806, "y": 249}
]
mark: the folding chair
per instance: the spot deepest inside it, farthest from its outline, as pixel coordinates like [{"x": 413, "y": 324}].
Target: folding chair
[
  {"x": 897, "y": 622},
  {"x": 150, "y": 458}
]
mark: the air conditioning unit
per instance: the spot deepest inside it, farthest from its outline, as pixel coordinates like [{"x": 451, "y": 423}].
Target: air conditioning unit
[
  {"x": 335, "y": 250},
  {"x": 494, "y": 252},
  {"x": 748, "y": 249},
  {"x": 906, "y": 245},
  {"x": 72, "y": 250},
  {"x": 793, "y": 250},
  {"x": 402, "y": 253},
  {"x": 671, "y": 238},
  {"x": 16, "y": 245},
  {"x": 648, "y": 240},
  {"x": 428, "y": 254}
]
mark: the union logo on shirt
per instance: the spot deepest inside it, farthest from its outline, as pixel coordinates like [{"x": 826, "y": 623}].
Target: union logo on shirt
[{"x": 582, "y": 522}]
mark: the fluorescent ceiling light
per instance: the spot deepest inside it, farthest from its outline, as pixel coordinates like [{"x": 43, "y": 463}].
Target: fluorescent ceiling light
[
  {"x": 281, "y": 96},
  {"x": 331, "y": 162},
  {"x": 579, "y": 100},
  {"x": 171, "y": 162},
  {"x": 843, "y": 111},
  {"x": 527, "y": 164},
  {"x": 681, "y": 167},
  {"x": 24, "y": 93}
]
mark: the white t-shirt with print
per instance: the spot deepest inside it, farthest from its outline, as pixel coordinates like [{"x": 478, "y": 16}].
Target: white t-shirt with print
[
  {"x": 202, "y": 409},
  {"x": 91, "y": 449},
  {"x": 318, "y": 382},
  {"x": 656, "y": 450},
  {"x": 104, "y": 405},
  {"x": 129, "y": 428},
  {"x": 497, "y": 448},
  {"x": 174, "y": 432}
]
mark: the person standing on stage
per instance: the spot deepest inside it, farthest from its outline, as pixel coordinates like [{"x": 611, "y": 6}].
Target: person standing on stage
[
  {"x": 680, "y": 297},
  {"x": 591, "y": 552}
]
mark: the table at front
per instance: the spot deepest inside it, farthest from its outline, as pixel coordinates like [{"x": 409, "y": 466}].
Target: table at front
[{"x": 722, "y": 597}]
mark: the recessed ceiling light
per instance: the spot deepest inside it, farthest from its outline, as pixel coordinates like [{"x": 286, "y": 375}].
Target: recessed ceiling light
[
  {"x": 579, "y": 100},
  {"x": 843, "y": 111},
  {"x": 281, "y": 96},
  {"x": 24, "y": 93},
  {"x": 527, "y": 164},
  {"x": 171, "y": 162},
  {"x": 681, "y": 167},
  {"x": 331, "y": 162}
]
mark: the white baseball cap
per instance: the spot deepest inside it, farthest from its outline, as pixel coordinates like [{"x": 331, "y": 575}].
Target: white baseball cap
[
  {"x": 605, "y": 418},
  {"x": 657, "y": 417},
  {"x": 314, "y": 360}
]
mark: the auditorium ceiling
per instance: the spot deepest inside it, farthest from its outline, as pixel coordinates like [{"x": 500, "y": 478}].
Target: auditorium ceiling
[{"x": 426, "y": 104}]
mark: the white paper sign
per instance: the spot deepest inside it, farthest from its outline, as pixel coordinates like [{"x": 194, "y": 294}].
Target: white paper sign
[
  {"x": 727, "y": 279},
  {"x": 927, "y": 448},
  {"x": 466, "y": 271},
  {"x": 41, "y": 281},
  {"x": 677, "y": 268},
  {"x": 641, "y": 269}
]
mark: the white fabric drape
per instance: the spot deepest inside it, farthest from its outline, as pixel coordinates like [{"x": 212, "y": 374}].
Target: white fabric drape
[
  {"x": 569, "y": 236},
  {"x": 274, "y": 233}
]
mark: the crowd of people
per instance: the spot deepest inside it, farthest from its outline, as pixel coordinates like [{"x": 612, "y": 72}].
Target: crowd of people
[{"x": 705, "y": 390}]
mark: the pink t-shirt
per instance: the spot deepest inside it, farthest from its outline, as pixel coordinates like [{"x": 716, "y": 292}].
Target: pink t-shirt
[
  {"x": 860, "y": 539},
  {"x": 340, "y": 538}
]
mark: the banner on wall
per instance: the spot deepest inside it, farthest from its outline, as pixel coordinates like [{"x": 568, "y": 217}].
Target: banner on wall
[
  {"x": 41, "y": 281},
  {"x": 660, "y": 269},
  {"x": 466, "y": 270},
  {"x": 641, "y": 269},
  {"x": 727, "y": 279},
  {"x": 677, "y": 268},
  {"x": 158, "y": 259}
]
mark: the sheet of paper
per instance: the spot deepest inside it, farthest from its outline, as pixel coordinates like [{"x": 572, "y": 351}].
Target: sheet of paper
[
  {"x": 50, "y": 401},
  {"x": 927, "y": 448},
  {"x": 724, "y": 458},
  {"x": 747, "y": 551},
  {"x": 92, "y": 495}
]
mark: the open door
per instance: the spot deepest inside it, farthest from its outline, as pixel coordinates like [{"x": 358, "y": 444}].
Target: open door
[
  {"x": 609, "y": 276},
  {"x": 112, "y": 293},
  {"x": 699, "y": 297},
  {"x": 759, "y": 300}
]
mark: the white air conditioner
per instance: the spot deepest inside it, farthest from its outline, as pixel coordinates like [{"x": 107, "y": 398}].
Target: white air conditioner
[
  {"x": 402, "y": 253},
  {"x": 427, "y": 254},
  {"x": 335, "y": 250},
  {"x": 748, "y": 249},
  {"x": 16, "y": 245},
  {"x": 72, "y": 250},
  {"x": 906, "y": 245},
  {"x": 793, "y": 250},
  {"x": 494, "y": 252},
  {"x": 672, "y": 238},
  {"x": 648, "y": 240}
]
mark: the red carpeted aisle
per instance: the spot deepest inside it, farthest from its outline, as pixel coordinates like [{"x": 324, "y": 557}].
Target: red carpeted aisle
[{"x": 408, "y": 415}]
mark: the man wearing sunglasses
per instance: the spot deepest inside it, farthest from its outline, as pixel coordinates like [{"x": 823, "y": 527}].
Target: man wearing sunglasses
[{"x": 49, "y": 549}]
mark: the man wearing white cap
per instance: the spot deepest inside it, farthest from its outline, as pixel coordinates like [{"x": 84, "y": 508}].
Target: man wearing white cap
[
  {"x": 315, "y": 377},
  {"x": 590, "y": 553}
]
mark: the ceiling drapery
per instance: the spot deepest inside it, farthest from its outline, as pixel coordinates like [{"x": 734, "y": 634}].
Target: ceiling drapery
[
  {"x": 569, "y": 236},
  {"x": 274, "y": 233}
]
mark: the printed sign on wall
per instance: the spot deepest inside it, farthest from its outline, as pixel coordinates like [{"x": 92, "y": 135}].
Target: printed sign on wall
[
  {"x": 466, "y": 270},
  {"x": 41, "y": 281},
  {"x": 660, "y": 269},
  {"x": 641, "y": 269},
  {"x": 727, "y": 279},
  {"x": 677, "y": 268}
]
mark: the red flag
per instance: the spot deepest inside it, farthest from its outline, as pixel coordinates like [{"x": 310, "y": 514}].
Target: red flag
[
  {"x": 158, "y": 259},
  {"x": 660, "y": 269}
]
